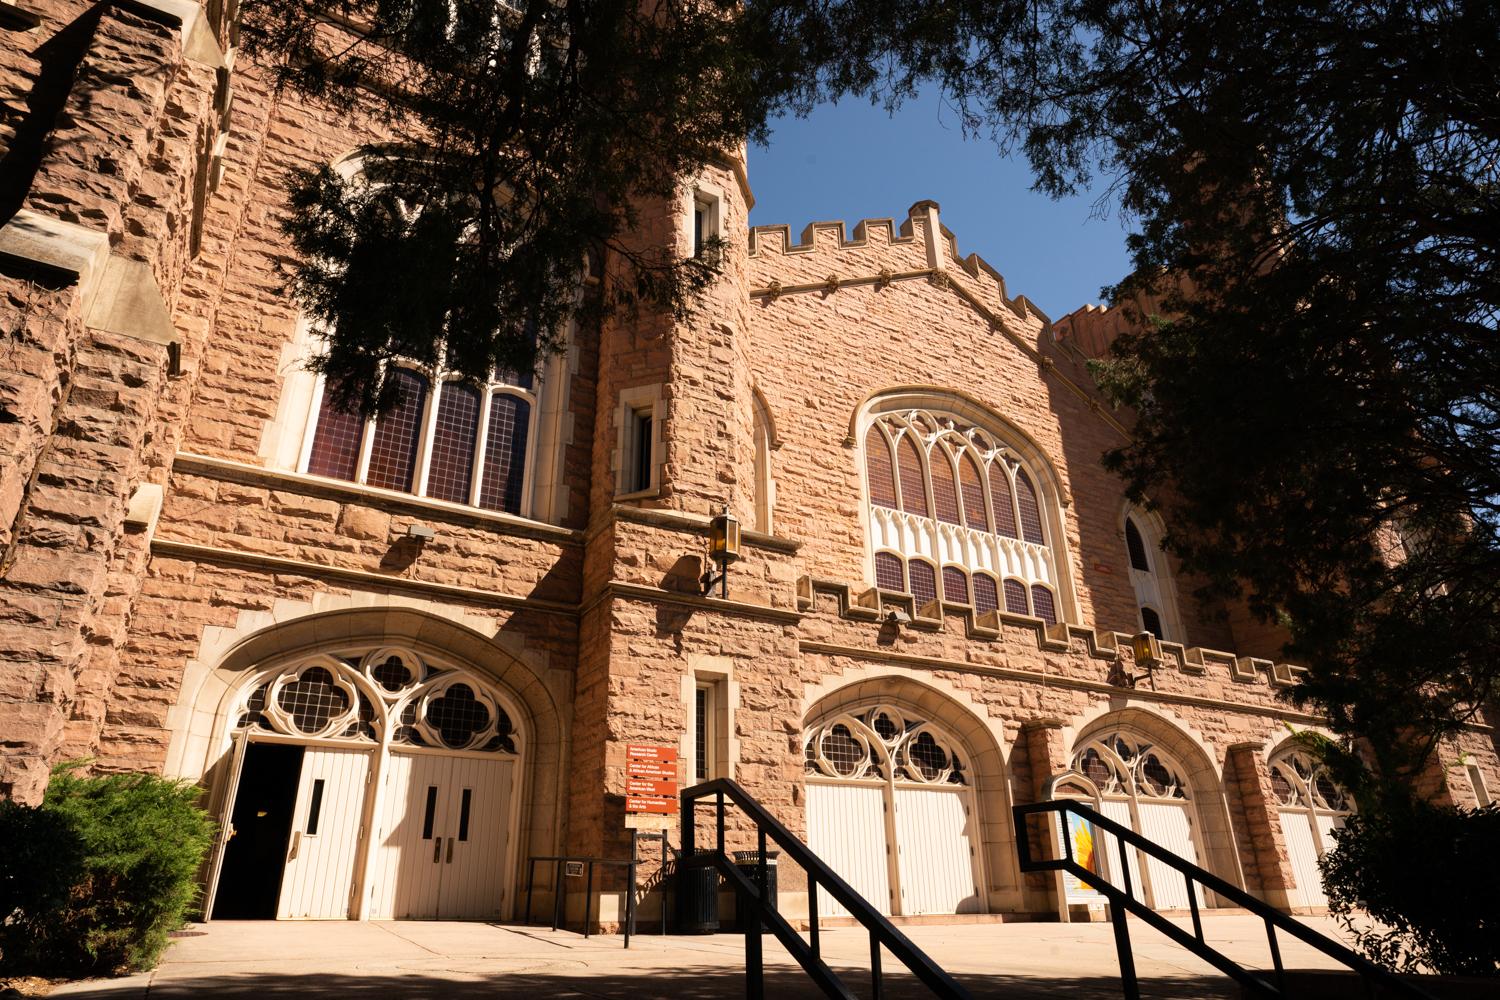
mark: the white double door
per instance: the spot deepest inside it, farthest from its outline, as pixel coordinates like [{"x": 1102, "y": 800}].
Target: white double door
[
  {"x": 1308, "y": 835},
  {"x": 441, "y": 838},
  {"x": 326, "y": 831},
  {"x": 1170, "y": 825},
  {"x": 864, "y": 830}
]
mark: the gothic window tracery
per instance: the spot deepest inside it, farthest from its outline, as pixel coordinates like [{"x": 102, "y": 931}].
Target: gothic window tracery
[
  {"x": 944, "y": 492},
  {"x": 1123, "y": 766},
  {"x": 1300, "y": 782},
  {"x": 357, "y": 696},
  {"x": 879, "y": 743}
]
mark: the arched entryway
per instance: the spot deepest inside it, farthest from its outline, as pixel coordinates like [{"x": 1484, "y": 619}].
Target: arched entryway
[
  {"x": 369, "y": 780},
  {"x": 892, "y": 807},
  {"x": 1311, "y": 805},
  {"x": 1150, "y": 775}
]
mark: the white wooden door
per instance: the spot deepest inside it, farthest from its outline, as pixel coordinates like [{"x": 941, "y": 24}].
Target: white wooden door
[
  {"x": 1302, "y": 850},
  {"x": 443, "y": 838},
  {"x": 326, "y": 825},
  {"x": 406, "y": 877},
  {"x": 935, "y": 861},
  {"x": 1109, "y": 846},
  {"x": 1170, "y": 825},
  {"x": 473, "y": 883},
  {"x": 239, "y": 742},
  {"x": 846, "y": 829}
]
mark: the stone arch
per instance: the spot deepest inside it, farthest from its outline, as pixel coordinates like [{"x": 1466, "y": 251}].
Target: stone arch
[
  {"x": 939, "y": 701},
  {"x": 227, "y": 657},
  {"x": 1196, "y": 756}
]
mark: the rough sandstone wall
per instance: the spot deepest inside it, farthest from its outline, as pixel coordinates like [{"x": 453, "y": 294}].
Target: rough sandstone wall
[{"x": 108, "y": 140}]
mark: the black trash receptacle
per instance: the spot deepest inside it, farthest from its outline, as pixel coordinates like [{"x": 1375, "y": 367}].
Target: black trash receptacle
[
  {"x": 697, "y": 898},
  {"x": 748, "y": 862}
]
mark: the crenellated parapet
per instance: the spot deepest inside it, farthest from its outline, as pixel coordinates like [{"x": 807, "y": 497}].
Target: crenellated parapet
[
  {"x": 880, "y": 252},
  {"x": 877, "y": 606}
]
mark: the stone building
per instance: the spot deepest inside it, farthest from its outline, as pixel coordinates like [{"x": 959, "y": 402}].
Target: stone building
[{"x": 448, "y": 623}]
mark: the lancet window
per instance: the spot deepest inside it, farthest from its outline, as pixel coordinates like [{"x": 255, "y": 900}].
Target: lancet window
[{"x": 955, "y": 513}]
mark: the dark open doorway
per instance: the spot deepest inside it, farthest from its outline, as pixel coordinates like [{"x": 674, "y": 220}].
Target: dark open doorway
[{"x": 254, "y": 858}]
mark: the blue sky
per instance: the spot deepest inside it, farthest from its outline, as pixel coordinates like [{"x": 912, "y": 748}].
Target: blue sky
[{"x": 853, "y": 161}]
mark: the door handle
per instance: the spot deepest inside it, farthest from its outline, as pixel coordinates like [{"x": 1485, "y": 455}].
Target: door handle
[
  {"x": 450, "y": 850},
  {"x": 296, "y": 843},
  {"x": 437, "y": 849}
]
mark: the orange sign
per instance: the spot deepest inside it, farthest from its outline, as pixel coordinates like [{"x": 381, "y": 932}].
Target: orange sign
[
  {"x": 651, "y": 769},
  {"x": 644, "y": 804},
  {"x": 643, "y": 751},
  {"x": 650, "y": 779}
]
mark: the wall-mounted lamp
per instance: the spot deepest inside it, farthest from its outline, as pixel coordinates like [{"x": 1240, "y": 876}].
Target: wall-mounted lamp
[
  {"x": 897, "y": 616},
  {"x": 420, "y": 534},
  {"x": 723, "y": 549},
  {"x": 1147, "y": 650}
]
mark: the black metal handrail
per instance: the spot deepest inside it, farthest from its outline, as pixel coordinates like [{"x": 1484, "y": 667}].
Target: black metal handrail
[
  {"x": 1123, "y": 899},
  {"x": 560, "y": 893},
  {"x": 807, "y": 953}
]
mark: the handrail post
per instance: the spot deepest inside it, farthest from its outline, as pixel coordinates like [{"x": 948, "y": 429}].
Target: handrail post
[
  {"x": 877, "y": 983},
  {"x": 530, "y": 876},
  {"x": 720, "y": 833},
  {"x": 630, "y": 903},
  {"x": 755, "y": 975},
  {"x": 812, "y": 915},
  {"x": 588, "y": 900},
  {"x": 1128, "y": 984}
]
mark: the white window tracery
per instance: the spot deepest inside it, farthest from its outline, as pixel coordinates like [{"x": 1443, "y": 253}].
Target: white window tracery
[
  {"x": 880, "y": 743},
  {"x": 1122, "y": 766},
  {"x": 955, "y": 512},
  {"x": 1301, "y": 782},
  {"x": 385, "y": 694}
]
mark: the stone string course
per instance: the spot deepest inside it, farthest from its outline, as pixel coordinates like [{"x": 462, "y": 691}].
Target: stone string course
[{"x": 107, "y": 631}]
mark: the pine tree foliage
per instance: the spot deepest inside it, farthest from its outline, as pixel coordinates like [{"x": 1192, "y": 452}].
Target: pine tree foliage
[
  {"x": 524, "y": 137},
  {"x": 1316, "y": 386}
]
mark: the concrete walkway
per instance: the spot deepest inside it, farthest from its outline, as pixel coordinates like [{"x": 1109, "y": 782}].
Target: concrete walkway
[{"x": 254, "y": 960}]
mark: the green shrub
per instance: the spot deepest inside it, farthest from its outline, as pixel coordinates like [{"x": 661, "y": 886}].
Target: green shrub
[
  {"x": 128, "y": 850},
  {"x": 1430, "y": 876}
]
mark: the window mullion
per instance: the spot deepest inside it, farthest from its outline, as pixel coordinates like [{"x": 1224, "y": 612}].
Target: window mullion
[
  {"x": 425, "y": 435},
  {"x": 366, "y": 445},
  {"x": 481, "y": 442}
]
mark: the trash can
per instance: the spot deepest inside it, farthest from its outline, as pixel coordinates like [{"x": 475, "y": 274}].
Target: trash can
[
  {"x": 697, "y": 898},
  {"x": 748, "y": 862}
]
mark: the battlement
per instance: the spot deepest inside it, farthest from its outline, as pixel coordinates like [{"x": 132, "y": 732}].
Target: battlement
[{"x": 880, "y": 251}]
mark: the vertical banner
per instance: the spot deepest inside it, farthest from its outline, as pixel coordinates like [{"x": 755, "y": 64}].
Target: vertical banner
[{"x": 1086, "y": 844}]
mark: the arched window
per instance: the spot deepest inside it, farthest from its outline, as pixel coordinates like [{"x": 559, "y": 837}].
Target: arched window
[
  {"x": 1141, "y": 786},
  {"x": 444, "y": 439},
  {"x": 959, "y": 489},
  {"x": 1156, "y": 601},
  {"x": 1311, "y": 806}
]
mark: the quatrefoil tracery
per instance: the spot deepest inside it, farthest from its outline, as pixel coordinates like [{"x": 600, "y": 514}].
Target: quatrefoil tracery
[
  {"x": 357, "y": 697},
  {"x": 881, "y": 742}
]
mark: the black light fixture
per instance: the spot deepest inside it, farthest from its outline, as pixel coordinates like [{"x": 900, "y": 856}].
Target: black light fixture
[
  {"x": 1147, "y": 650},
  {"x": 723, "y": 549}
]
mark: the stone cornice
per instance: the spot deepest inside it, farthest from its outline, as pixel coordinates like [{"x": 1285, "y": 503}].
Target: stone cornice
[
  {"x": 677, "y": 520},
  {"x": 657, "y": 595},
  {"x": 353, "y": 577},
  {"x": 244, "y": 474}
]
